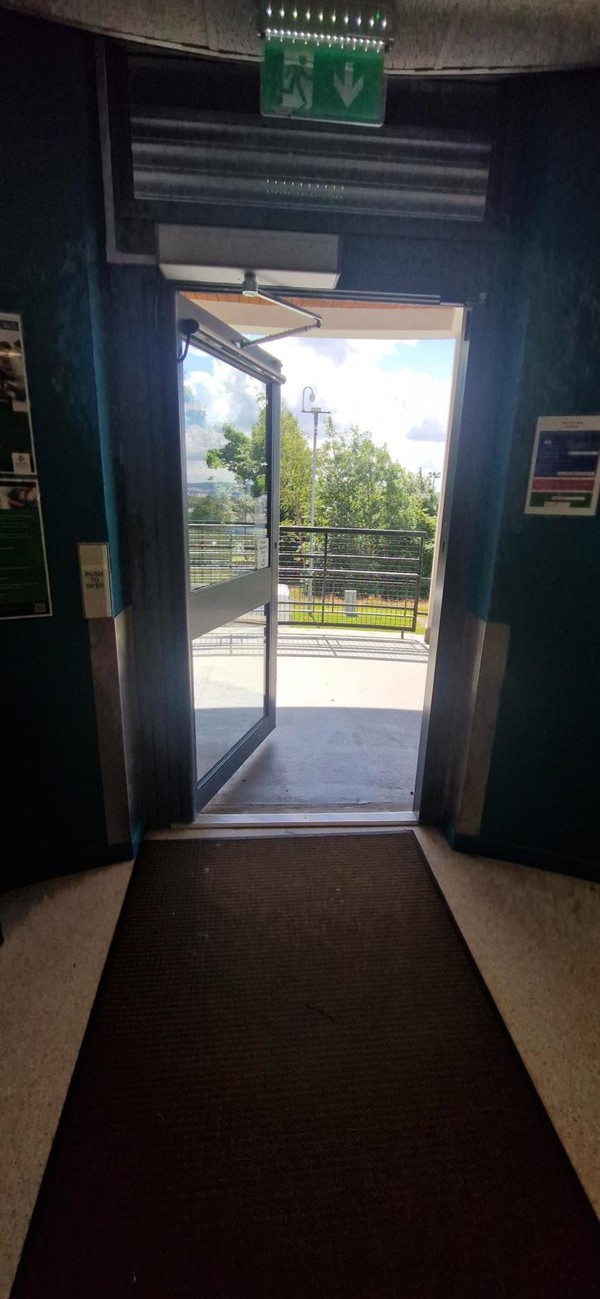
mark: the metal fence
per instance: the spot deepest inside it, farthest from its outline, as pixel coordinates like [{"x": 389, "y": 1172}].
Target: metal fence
[
  {"x": 220, "y": 551},
  {"x": 360, "y": 577},
  {"x": 330, "y": 577}
]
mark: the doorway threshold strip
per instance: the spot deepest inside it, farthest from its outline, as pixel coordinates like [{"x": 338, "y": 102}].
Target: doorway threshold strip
[{"x": 292, "y": 821}]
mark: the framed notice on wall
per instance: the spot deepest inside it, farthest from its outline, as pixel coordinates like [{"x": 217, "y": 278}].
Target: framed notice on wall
[
  {"x": 564, "y": 478},
  {"x": 24, "y": 585},
  {"x": 16, "y": 436}
]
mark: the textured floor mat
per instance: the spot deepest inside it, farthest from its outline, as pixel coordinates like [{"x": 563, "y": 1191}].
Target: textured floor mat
[{"x": 294, "y": 1083}]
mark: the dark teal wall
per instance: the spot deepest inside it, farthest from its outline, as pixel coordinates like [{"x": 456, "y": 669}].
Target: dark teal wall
[
  {"x": 50, "y": 272},
  {"x": 542, "y": 576},
  {"x": 536, "y": 350}
]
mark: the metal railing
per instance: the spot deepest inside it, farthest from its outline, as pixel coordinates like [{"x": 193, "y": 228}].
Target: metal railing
[
  {"x": 353, "y": 577},
  {"x": 220, "y": 551},
  {"x": 329, "y": 577}
]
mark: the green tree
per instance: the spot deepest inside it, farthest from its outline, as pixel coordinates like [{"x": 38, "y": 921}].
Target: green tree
[
  {"x": 211, "y": 509},
  {"x": 423, "y": 512},
  {"x": 360, "y": 485},
  {"x": 357, "y": 481},
  {"x": 244, "y": 454},
  {"x": 295, "y": 471}
]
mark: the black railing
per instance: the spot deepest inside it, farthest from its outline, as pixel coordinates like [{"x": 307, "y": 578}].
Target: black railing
[
  {"x": 220, "y": 551},
  {"x": 353, "y": 577},
  {"x": 329, "y": 577}
]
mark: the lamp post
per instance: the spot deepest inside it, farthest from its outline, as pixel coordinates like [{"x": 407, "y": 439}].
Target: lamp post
[{"x": 315, "y": 411}]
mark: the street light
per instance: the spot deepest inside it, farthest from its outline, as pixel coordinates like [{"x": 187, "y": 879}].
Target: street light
[{"x": 315, "y": 411}]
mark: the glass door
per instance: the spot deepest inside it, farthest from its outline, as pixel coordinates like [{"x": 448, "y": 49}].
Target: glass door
[{"x": 230, "y": 404}]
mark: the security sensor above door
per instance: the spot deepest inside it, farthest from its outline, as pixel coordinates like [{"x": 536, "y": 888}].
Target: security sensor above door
[{"x": 279, "y": 259}]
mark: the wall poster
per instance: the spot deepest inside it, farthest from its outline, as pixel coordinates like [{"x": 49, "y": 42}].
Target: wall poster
[
  {"x": 16, "y": 436},
  {"x": 24, "y": 584},
  {"x": 564, "y": 478}
]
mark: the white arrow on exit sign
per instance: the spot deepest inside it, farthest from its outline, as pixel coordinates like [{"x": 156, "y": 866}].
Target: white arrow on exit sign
[
  {"x": 323, "y": 83},
  {"x": 348, "y": 89}
]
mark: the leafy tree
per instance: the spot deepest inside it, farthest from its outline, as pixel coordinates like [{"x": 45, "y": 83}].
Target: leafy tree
[
  {"x": 295, "y": 471},
  {"x": 211, "y": 509},
  {"x": 351, "y": 480},
  {"x": 360, "y": 485},
  {"x": 244, "y": 455}
]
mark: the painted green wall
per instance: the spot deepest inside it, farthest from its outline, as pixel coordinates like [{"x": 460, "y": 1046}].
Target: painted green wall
[{"x": 50, "y": 272}]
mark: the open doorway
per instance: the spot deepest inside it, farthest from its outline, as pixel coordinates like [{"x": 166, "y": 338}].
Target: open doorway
[{"x": 364, "y": 447}]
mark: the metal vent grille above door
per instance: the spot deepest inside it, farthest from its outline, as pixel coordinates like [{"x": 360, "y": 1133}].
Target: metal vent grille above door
[{"x": 206, "y": 158}]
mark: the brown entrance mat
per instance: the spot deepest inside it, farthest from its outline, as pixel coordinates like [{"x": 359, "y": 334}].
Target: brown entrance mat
[{"x": 294, "y": 1083}]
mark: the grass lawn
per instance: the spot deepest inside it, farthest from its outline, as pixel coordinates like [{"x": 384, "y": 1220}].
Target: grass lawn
[{"x": 391, "y": 615}]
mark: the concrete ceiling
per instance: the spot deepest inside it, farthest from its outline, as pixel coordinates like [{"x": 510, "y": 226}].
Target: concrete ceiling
[{"x": 431, "y": 35}]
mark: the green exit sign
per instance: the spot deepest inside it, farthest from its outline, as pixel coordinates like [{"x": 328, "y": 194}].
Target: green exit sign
[{"x": 322, "y": 83}]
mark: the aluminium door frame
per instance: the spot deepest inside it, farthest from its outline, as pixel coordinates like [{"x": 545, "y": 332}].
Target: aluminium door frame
[
  {"x": 210, "y": 607},
  {"x": 434, "y": 743},
  {"x": 433, "y": 751}
]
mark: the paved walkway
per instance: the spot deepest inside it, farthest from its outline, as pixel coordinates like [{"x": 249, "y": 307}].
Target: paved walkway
[{"x": 348, "y": 723}]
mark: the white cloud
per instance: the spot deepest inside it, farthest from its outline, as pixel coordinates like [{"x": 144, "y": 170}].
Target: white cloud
[
  {"x": 431, "y": 430},
  {"x": 228, "y": 397},
  {"x": 398, "y": 406},
  {"x": 388, "y": 402}
]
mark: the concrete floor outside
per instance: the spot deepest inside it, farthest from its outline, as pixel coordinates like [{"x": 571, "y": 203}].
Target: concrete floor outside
[{"x": 349, "y": 707}]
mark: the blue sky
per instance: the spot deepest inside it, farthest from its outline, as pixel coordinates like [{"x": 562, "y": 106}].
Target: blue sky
[
  {"x": 428, "y": 356},
  {"x": 195, "y": 363},
  {"x": 398, "y": 390}
]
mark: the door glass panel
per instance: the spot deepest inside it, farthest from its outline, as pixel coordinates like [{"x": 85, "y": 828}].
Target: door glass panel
[
  {"x": 229, "y": 666},
  {"x": 226, "y": 469}
]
